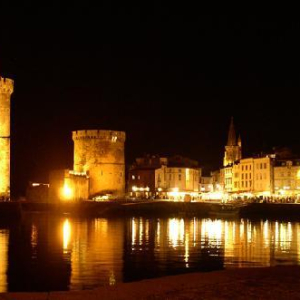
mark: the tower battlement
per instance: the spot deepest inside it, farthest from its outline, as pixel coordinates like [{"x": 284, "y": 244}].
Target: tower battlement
[
  {"x": 105, "y": 135},
  {"x": 6, "y": 85}
]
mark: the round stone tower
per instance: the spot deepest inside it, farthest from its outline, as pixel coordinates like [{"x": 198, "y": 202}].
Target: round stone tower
[
  {"x": 6, "y": 89},
  {"x": 101, "y": 154}
]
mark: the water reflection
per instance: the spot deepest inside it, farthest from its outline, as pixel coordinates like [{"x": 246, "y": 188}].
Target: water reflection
[
  {"x": 45, "y": 252},
  {"x": 3, "y": 259}
]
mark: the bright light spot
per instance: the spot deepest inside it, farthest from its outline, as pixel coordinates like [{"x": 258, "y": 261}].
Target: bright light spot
[
  {"x": 66, "y": 235},
  {"x": 134, "y": 188},
  {"x": 67, "y": 192}
]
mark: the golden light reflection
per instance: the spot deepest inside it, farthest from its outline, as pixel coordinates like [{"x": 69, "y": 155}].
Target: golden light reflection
[
  {"x": 66, "y": 235},
  {"x": 133, "y": 231},
  {"x": 3, "y": 260},
  {"x": 212, "y": 230},
  {"x": 176, "y": 232},
  {"x": 186, "y": 249},
  {"x": 34, "y": 236}
]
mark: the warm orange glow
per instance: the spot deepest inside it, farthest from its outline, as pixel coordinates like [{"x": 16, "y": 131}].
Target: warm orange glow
[
  {"x": 66, "y": 235},
  {"x": 4, "y": 234},
  {"x": 67, "y": 192}
]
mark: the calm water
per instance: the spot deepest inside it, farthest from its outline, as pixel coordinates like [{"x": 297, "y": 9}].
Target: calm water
[{"x": 46, "y": 252}]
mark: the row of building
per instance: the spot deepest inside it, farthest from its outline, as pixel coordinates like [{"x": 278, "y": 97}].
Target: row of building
[
  {"x": 99, "y": 170},
  {"x": 99, "y": 174},
  {"x": 274, "y": 175}
]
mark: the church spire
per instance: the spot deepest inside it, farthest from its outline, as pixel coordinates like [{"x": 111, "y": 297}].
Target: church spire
[
  {"x": 239, "y": 141},
  {"x": 231, "y": 135}
]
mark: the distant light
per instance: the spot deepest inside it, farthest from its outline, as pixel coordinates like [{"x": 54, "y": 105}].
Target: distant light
[
  {"x": 159, "y": 189},
  {"x": 134, "y": 188},
  {"x": 67, "y": 191},
  {"x": 147, "y": 189}
]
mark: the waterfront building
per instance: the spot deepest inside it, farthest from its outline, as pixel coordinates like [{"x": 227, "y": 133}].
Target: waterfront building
[
  {"x": 245, "y": 177},
  {"x": 175, "y": 178},
  {"x": 287, "y": 178},
  {"x": 6, "y": 90},
  {"x": 98, "y": 171}
]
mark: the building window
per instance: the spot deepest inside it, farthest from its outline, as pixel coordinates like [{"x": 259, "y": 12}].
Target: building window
[
  {"x": 139, "y": 177},
  {"x": 250, "y": 176},
  {"x": 246, "y": 176},
  {"x": 242, "y": 168},
  {"x": 246, "y": 182},
  {"x": 133, "y": 177},
  {"x": 170, "y": 177},
  {"x": 179, "y": 176},
  {"x": 250, "y": 167},
  {"x": 179, "y": 170},
  {"x": 246, "y": 167},
  {"x": 242, "y": 184},
  {"x": 242, "y": 176},
  {"x": 265, "y": 165}
]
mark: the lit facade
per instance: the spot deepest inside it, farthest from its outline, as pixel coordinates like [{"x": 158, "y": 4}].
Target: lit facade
[
  {"x": 249, "y": 176},
  {"x": 287, "y": 178},
  {"x": 100, "y": 153},
  {"x": 6, "y": 89},
  {"x": 174, "y": 178}
]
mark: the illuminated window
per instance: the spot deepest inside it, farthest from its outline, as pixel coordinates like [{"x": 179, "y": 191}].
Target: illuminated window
[{"x": 133, "y": 177}]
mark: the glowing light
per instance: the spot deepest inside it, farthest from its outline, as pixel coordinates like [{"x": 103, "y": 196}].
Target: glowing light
[
  {"x": 66, "y": 235},
  {"x": 34, "y": 236},
  {"x": 176, "y": 231},
  {"x": 134, "y": 188},
  {"x": 4, "y": 235},
  {"x": 298, "y": 174},
  {"x": 159, "y": 189},
  {"x": 67, "y": 192}
]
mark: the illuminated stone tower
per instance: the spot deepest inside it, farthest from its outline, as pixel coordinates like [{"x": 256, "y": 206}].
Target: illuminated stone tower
[
  {"x": 6, "y": 89},
  {"x": 233, "y": 149},
  {"x": 101, "y": 154}
]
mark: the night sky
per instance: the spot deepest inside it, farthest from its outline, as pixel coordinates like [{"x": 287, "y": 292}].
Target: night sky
[{"x": 170, "y": 77}]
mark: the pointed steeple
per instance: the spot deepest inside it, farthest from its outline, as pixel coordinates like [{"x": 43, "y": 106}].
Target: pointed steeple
[
  {"x": 231, "y": 135},
  {"x": 239, "y": 141}
]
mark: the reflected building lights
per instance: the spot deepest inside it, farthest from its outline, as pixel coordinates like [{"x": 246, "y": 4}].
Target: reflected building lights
[
  {"x": 176, "y": 231},
  {"x": 34, "y": 236},
  {"x": 3, "y": 259},
  {"x": 66, "y": 235}
]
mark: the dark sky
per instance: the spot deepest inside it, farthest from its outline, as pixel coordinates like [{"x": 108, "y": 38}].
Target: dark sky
[{"x": 170, "y": 77}]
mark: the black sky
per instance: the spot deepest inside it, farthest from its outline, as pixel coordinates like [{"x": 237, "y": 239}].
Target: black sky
[{"x": 170, "y": 77}]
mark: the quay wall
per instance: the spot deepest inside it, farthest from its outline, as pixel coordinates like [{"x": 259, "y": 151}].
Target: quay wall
[{"x": 152, "y": 209}]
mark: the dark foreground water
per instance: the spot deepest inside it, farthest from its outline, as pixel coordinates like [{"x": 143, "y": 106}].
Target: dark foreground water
[{"x": 44, "y": 252}]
